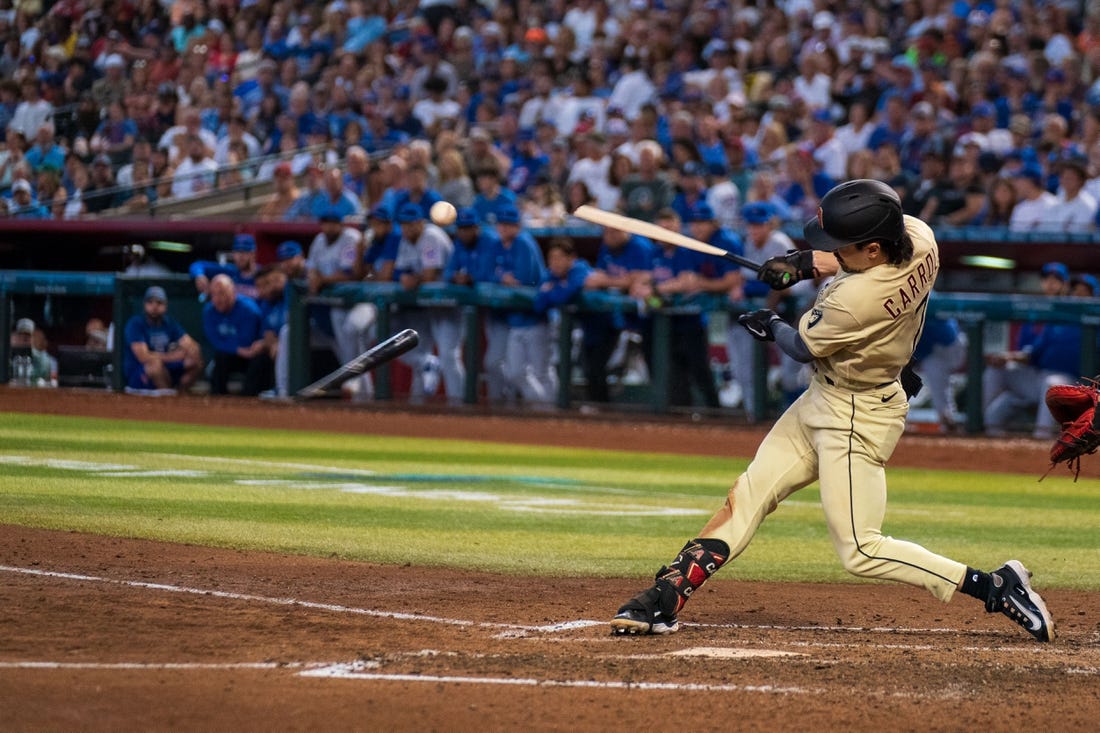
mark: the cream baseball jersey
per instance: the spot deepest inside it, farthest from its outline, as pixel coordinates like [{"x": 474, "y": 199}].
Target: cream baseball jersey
[{"x": 864, "y": 325}]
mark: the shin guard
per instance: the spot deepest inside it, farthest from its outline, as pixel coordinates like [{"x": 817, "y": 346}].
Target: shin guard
[{"x": 699, "y": 560}]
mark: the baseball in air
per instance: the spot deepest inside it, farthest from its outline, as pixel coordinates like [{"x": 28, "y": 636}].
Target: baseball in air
[{"x": 443, "y": 213}]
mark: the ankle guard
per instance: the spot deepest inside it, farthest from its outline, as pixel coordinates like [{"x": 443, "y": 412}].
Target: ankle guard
[{"x": 699, "y": 560}]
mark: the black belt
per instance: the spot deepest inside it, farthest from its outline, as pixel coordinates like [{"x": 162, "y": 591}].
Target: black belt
[{"x": 884, "y": 385}]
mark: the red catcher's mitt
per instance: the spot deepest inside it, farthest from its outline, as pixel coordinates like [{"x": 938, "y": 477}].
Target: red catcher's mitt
[{"x": 1074, "y": 405}]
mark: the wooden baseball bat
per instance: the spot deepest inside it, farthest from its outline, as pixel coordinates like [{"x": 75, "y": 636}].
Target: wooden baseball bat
[
  {"x": 372, "y": 358},
  {"x": 659, "y": 233}
]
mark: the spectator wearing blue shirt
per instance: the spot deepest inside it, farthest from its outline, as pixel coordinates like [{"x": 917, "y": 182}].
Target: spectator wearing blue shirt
[
  {"x": 894, "y": 124},
  {"x": 308, "y": 49},
  {"x": 188, "y": 29},
  {"x": 522, "y": 361},
  {"x": 491, "y": 196},
  {"x": 22, "y": 204},
  {"x": 622, "y": 263},
  {"x": 804, "y": 184},
  {"x": 242, "y": 270},
  {"x": 1016, "y": 97},
  {"x": 265, "y": 84},
  {"x": 417, "y": 191},
  {"x": 692, "y": 189},
  {"x": 234, "y": 327},
  {"x": 45, "y": 153},
  {"x": 331, "y": 197},
  {"x": 401, "y": 119},
  {"x": 527, "y": 161},
  {"x": 157, "y": 353}
]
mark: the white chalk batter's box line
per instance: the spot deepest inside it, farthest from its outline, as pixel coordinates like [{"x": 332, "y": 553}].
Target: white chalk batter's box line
[{"x": 505, "y": 631}]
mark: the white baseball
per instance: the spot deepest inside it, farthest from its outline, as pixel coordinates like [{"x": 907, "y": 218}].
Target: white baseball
[{"x": 443, "y": 213}]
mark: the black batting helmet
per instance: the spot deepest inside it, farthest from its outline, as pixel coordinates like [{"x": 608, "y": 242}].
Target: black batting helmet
[{"x": 856, "y": 212}]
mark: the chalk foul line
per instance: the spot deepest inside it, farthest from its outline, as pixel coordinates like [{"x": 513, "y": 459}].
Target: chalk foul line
[{"x": 313, "y": 605}]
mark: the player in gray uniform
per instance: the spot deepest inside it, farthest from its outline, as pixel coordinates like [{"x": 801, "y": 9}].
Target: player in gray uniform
[
  {"x": 331, "y": 259},
  {"x": 859, "y": 336},
  {"x": 422, "y": 256}
]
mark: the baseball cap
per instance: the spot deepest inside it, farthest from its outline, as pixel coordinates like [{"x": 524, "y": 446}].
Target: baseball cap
[
  {"x": 758, "y": 212},
  {"x": 155, "y": 292},
  {"x": 409, "y": 212},
  {"x": 283, "y": 169},
  {"x": 508, "y": 215},
  {"x": 1055, "y": 269},
  {"x": 21, "y": 184},
  {"x": 983, "y": 109},
  {"x": 1032, "y": 173},
  {"x": 244, "y": 243},
  {"x": 102, "y": 159},
  {"x": 114, "y": 60},
  {"x": 466, "y": 217},
  {"x": 381, "y": 213},
  {"x": 701, "y": 212},
  {"x": 1089, "y": 280},
  {"x": 24, "y": 325},
  {"x": 330, "y": 215},
  {"x": 288, "y": 249}
]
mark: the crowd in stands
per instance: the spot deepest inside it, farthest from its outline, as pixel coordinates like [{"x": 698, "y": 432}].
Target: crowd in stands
[{"x": 980, "y": 112}]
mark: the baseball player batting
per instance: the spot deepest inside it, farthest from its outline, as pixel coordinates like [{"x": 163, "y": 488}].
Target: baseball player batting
[{"x": 859, "y": 336}]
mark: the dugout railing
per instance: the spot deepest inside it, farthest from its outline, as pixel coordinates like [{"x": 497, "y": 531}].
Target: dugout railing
[{"x": 976, "y": 313}]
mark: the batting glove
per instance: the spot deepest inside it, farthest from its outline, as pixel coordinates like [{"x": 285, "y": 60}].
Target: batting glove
[
  {"x": 782, "y": 272},
  {"x": 760, "y": 324}
]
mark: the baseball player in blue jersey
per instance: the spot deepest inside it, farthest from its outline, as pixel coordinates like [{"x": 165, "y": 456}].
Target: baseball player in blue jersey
[
  {"x": 234, "y": 327},
  {"x": 1018, "y": 379},
  {"x": 378, "y": 247},
  {"x": 472, "y": 259},
  {"x": 841, "y": 432},
  {"x": 622, "y": 263},
  {"x": 471, "y": 262},
  {"x": 272, "y": 284},
  {"x": 940, "y": 352},
  {"x": 565, "y": 276},
  {"x": 676, "y": 271},
  {"x": 242, "y": 270},
  {"x": 517, "y": 262},
  {"x": 157, "y": 352},
  {"x": 764, "y": 241}
]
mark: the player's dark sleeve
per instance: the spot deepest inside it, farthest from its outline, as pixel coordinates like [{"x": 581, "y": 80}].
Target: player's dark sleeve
[{"x": 788, "y": 339}]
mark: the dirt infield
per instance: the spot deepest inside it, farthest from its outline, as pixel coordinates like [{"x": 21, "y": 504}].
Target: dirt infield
[{"x": 119, "y": 634}]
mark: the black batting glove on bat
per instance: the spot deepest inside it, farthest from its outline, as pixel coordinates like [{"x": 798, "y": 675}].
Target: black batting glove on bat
[
  {"x": 782, "y": 272},
  {"x": 760, "y": 323}
]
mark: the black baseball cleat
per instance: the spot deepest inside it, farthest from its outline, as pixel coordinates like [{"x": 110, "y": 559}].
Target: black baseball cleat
[
  {"x": 642, "y": 615},
  {"x": 1011, "y": 594}
]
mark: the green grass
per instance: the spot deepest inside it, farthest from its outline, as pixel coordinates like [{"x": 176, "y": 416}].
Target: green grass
[{"x": 516, "y": 509}]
